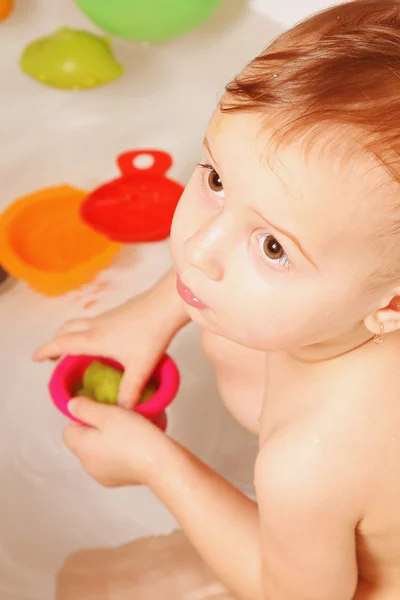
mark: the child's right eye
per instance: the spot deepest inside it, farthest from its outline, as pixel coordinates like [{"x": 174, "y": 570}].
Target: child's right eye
[
  {"x": 272, "y": 251},
  {"x": 214, "y": 181}
]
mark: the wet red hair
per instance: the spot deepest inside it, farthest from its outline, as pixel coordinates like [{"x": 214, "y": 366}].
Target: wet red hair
[{"x": 340, "y": 67}]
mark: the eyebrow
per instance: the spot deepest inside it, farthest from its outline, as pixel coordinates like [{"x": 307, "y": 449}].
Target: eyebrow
[
  {"x": 287, "y": 234},
  {"x": 206, "y": 144}
]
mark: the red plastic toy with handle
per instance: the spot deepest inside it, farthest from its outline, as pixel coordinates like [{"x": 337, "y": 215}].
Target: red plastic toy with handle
[{"x": 139, "y": 205}]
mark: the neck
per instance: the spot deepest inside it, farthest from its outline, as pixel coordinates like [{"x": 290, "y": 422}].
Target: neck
[{"x": 331, "y": 349}]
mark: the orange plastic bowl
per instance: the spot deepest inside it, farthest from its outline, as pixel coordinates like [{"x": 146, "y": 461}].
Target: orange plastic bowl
[
  {"x": 6, "y": 8},
  {"x": 44, "y": 242}
]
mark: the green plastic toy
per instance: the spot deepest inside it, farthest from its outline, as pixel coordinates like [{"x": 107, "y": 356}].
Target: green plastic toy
[
  {"x": 148, "y": 20},
  {"x": 71, "y": 59},
  {"x": 101, "y": 383}
]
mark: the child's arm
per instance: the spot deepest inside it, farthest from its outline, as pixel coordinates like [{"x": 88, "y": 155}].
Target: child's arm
[
  {"x": 310, "y": 504},
  {"x": 297, "y": 545}
]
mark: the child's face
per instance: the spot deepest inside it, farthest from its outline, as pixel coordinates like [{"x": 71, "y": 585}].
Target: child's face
[{"x": 282, "y": 248}]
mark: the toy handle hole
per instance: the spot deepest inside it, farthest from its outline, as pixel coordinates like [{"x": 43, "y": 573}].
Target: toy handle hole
[
  {"x": 143, "y": 161},
  {"x": 140, "y": 162}
]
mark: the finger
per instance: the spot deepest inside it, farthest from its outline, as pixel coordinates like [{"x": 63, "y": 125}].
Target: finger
[
  {"x": 70, "y": 343},
  {"x": 54, "y": 348},
  {"x": 90, "y": 412},
  {"x": 45, "y": 352},
  {"x": 132, "y": 385},
  {"x": 74, "y": 437},
  {"x": 77, "y": 438}
]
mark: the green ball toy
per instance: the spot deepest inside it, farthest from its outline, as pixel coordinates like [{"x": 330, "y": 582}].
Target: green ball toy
[
  {"x": 71, "y": 59},
  {"x": 148, "y": 20},
  {"x": 101, "y": 383}
]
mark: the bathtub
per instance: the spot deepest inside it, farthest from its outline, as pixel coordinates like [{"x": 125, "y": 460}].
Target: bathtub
[{"x": 49, "y": 507}]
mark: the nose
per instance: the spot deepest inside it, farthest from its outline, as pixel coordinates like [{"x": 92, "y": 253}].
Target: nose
[{"x": 206, "y": 250}]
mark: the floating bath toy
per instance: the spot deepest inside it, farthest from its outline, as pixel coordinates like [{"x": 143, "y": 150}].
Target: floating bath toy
[
  {"x": 44, "y": 242},
  {"x": 148, "y": 20},
  {"x": 69, "y": 374},
  {"x": 6, "y": 8},
  {"x": 71, "y": 59},
  {"x": 139, "y": 205}
]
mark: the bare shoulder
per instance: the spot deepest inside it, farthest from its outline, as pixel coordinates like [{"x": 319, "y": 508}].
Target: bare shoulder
[{"x": 333, "y": 452}]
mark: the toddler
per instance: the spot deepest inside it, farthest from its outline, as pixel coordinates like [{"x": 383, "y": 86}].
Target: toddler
[{"x": 286, "y": 253}]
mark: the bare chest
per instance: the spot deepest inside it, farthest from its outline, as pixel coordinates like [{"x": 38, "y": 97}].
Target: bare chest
[{"x": 257, "y": 389}]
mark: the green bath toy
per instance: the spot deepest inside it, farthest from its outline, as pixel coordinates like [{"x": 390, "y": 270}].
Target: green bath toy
[
  {"x": 71, "y": 59},
  {"x": 101, "y": 383},
  {"x": 148, "y": 20}
]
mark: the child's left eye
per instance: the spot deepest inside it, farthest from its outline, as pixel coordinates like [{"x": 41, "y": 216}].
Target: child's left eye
[
  {"x": 272, "y": 250},
  {"x": 214, "y": 181}
]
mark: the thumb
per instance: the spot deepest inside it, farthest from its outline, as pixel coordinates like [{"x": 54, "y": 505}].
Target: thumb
[{"x": 132, "y": 384}]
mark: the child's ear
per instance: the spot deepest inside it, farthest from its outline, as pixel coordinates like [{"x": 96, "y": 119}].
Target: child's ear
[{"x": 387, "y": 318}]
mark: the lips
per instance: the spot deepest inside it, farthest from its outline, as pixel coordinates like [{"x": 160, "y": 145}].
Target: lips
[{"x": 187, "y": 295}]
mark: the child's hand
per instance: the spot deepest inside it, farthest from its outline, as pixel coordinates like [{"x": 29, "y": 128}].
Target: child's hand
[
  {"x": 129, "y": 334},
  {"x": 119, "y": 448},
  {"x": 136, "y": 334}
]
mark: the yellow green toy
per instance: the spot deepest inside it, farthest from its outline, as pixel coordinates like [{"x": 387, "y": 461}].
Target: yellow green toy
[
  {"x": 101, "y": 383},
  {"x": 71, "y": 59}
]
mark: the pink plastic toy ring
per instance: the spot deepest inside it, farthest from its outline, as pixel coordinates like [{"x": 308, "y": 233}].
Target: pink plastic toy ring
[{"x": 69, "y": 373}]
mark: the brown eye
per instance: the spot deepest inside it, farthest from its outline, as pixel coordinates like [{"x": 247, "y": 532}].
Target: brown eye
[
  {"x": 214, "y": 181},
  {"x": 272, "y": 248}
]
